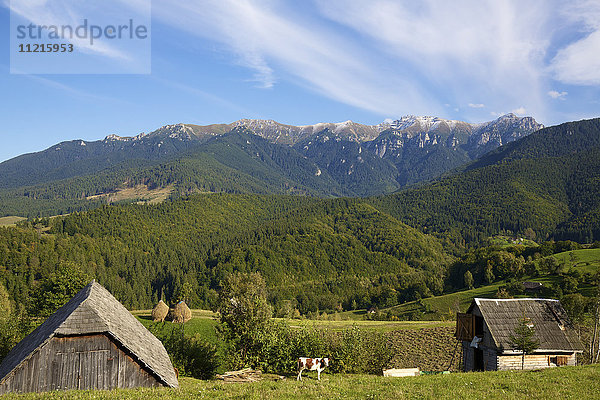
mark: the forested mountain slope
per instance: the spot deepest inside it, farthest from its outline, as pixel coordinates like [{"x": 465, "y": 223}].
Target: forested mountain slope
[
  {"x": 318, "y": 254},
  {"x": 546, "y": 182},
  {"x": 249, "y": 156}
]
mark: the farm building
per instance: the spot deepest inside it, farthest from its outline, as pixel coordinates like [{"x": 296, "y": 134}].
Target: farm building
[
  {"x": 92, "y": 342},
  {"x": 488, "y": 324}
]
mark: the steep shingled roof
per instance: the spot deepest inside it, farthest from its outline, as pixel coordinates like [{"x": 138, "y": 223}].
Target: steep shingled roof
[
  {"x": 550, "y": 322},
  {"x": 93, "y": 310}
]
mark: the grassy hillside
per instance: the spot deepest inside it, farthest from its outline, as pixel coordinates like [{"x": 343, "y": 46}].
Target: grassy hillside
[
  {"x": 441, "y": 307},
  {"x": 564, "y": 382},
  {"x": 573, "y": 263},
  {"x": 10, "y": 220}
]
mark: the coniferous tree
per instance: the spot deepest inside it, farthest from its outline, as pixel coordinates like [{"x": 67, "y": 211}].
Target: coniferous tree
[{"x": 523, "y": 338}]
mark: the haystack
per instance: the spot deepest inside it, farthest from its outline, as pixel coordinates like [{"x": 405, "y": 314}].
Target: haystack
[
  {"x": 181, "y": 313},
  {"x": 160, "y": 311}
]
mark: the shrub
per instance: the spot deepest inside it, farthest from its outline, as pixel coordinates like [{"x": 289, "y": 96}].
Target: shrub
[
  {"x": 351, "y": 351},
  {"x": 192, "y": 356}
]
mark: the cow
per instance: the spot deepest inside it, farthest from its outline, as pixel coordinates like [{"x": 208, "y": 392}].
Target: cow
[{"x": 311, "y": 364}]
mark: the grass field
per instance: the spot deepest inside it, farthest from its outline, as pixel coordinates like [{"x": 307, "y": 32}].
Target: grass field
[
  {"x": 203, "y": 322},
  {"x": 585, "y": 260},
  {"x": 445, "y": 306},
  {"x": 10, "y": 221},
  {"x": 428, "y": 345},
  {"x": 560, "y": 383},
  {"x": 139, "y": 192}
]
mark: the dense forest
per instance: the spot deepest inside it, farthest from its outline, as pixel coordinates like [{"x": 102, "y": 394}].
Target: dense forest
[
  {"x": 314, "y": 254},
  {"x": 545, "y": 185}
]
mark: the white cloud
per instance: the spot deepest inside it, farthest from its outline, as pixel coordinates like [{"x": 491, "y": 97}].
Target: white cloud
[
  {"x": 557, "y": 95},
  {"x": 487, "y": 48},
  {"x": 68, "y": 12},
  {"x": 397, "y": 56},
  {"x": 273, "y": 40},
  {"x": 519, "y": 111},
  {"x": 578, "y": 62}
]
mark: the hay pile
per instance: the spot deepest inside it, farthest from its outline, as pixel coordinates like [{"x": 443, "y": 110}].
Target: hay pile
[
  {"x": 160, "y": 311},
  {"x": 181, "y": 313},
  {"x": 243, "y": 375}
]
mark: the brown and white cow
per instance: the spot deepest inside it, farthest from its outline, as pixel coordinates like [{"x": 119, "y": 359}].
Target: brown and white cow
[{"x": 311, "y": 364}]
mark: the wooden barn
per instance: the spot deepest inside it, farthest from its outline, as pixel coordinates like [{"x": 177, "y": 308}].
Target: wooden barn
[
  {"x": 92, "y": 342},
  {"x": 485, "y": 331}
]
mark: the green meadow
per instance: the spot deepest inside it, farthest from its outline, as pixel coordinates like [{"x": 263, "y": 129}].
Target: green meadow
[{"x": 560, "y": 383}]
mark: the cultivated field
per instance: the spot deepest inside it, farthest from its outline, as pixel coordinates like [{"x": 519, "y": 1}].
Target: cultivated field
[{"x": 555, "y": 383}]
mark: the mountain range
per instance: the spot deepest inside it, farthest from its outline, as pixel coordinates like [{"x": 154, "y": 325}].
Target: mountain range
[
  {"x": 317, "y": 251},
  {"x": 260, "y": 156}
]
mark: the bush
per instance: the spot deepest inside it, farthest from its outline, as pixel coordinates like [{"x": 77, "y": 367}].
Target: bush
[
  {"x": 245, "y": 318},
  {"x": 192, "y": 356},
  {"x": 350, "y": 351},
  {"x": 569, "y": 284}
]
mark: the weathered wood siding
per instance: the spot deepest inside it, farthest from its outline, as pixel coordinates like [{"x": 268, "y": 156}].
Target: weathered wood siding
[
  {"x": 492, "y": 361},
  {"x": 77, "y": 362},
  {"x": 490, "y": 358},
  {"x": 535, "y": 361},
  {"x": 467, "y": 356}
]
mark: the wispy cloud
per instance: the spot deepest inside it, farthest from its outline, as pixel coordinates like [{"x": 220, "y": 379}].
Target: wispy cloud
[
  {"x": 64, "y": 12},
  {"x": 274, "y": 40},
  {"x": 204, "y": 95},
  {"x": 397, "y": 56},
  {"x": 557, "y": 95},
  {"x": 520, "y": 111},
  {"x": 74, "y": 92},
  {"x": 486, "y": 48},
  {"x": 578, "y": 63},
  {"x": 390, "y": 57}
]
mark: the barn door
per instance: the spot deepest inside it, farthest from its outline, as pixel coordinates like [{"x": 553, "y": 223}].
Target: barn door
[
  {"x": 65, "y": 371},
  {"x": 478, "y": 359},
  {"x": 95, "y": 370}
]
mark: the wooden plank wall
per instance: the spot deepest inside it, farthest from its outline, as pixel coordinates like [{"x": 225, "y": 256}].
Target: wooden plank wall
[
  {"x": 78, "y": 362},
  {"x": 490, "y": 358},
  {"x": 467, "y": 356},
  {"x": 533, "y": 361}
]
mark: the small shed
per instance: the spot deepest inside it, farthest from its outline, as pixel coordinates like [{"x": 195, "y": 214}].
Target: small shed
[
  {"x": 92, "y": 342},
  {"x": 533, "y": 287},
  {"x": 486, "y": 327}
]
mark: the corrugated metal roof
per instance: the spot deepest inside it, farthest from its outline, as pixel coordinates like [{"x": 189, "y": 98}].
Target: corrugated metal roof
[
  {"x": 550, "y": 322},
  {"x": 93, "y": 310}
]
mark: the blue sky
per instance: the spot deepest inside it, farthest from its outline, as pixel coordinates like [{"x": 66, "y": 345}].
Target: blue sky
[{"x": 309, "y": 61}]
